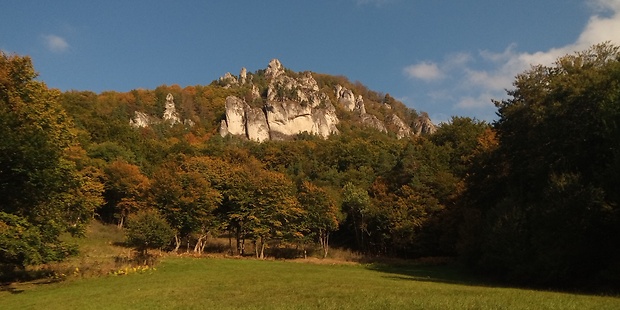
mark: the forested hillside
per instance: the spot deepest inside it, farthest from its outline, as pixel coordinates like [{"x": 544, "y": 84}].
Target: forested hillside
[{"x": 532, "y": 197}]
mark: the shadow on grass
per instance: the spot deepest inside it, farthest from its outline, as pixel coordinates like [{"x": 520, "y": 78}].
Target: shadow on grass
[
  {"x": 449, "y": 273},
  {"x": 452, "y": 273},
  {"x": 28, "y": 279}
]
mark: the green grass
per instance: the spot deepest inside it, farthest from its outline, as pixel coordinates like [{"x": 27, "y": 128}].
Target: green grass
[{"x": 218, "y": 283}]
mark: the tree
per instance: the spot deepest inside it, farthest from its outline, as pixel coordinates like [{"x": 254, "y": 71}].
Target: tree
[
  {"x": 356, "y": 205},
  {"x": 460, "y": 138},
  {"x": 125, "y": 189},
  {"x": 42, "y": 193},
  {"x": 272, "y": 209},
  {"x": 148, "y": 230},
  {"x": 546, "y": 200},
  {"x": 322, "y": 215},
  {"x": 182, "y": 192}
]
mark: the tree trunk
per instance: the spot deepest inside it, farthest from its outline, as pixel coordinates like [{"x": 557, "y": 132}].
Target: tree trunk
[
  {"x": 177, "y": 243},
  {"x": 326, "y": 247},
  {"x": 324, "y": 241},
  {"x": 238, "y": 240},
  {"x": 262, "y": 248},
  {"x": 198, "y": 247},
  {"x": 255, "y": 248}
]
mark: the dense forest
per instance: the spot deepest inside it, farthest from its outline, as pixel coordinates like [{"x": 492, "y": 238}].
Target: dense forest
[{"x": 531, "y": 198}]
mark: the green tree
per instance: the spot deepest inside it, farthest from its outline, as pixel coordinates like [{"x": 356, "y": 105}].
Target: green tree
[
  {"x": 356, "y": 205},
  {"x": 148, "y": 230},
  {"x": 182, "y": 192},
  {"x": 548, "y": 210},
  {"x": 41, "y": 189},
  {"x": 459, "y": 138},
  {"x": 322, "y": 214}
]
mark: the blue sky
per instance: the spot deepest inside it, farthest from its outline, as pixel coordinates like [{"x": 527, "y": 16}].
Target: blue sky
[{"x": 447, "y": 58}]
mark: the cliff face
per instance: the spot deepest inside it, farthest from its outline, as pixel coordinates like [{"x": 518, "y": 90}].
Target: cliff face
[
  {"x": 171, "y": 116},
  {"x": 294, "y": 104}
]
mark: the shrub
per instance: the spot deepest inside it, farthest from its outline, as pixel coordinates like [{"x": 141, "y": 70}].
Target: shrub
[{"x": 148, "y": 230}]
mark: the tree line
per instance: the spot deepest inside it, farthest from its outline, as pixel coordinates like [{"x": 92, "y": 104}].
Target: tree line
[{"x": 531, "y": 197}]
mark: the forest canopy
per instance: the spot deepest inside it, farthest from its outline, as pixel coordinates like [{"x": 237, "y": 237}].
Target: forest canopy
[{"x": 531, "y": 197}]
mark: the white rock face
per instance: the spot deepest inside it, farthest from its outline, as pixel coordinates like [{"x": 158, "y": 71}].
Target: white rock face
[
  {"x": 170, "y": 114},
  {"x": 224, "y": 128},
  {"x": 423, "y": 125},
  {"x": 345, "y": 97},
  {"x": 243, "y": 76},
  {"x": 255, "y": 92},
  {"x": 293, "y": 105},
  {"x": 359, "y": 105},
  {"x": 402, "y": 130},
  {"x": 229, "y": 80},
  {"x": 140, "y": 120},
  {"x": 274, "y": 69},
  {"x": 288, "y": 118},
  {"x": 372, "y": 122},
  {"x": 325, "y": 122},
  {"x": 256, "y": 124},
  {"x": 235, "y": 116}
]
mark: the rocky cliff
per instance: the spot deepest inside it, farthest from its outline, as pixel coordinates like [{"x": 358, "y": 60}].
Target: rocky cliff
[
  {"x": 170, "y": 116},
  {"x": 294, "y": 104}
]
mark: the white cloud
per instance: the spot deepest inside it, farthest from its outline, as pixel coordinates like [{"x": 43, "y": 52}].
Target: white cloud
[
  {"x": 426, "y": 71},
  {"x": 485, "y": 76},
  {"x": 56, "y": 43},
  {"x": 482, "y": 101},
  {"x": 457, "y": 60}
]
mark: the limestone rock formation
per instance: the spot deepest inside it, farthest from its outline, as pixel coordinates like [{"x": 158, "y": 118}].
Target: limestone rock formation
[
  {"x": 229, "y": 80},
  {"x": 243, "y": 76},
  {"x": 372, "y": 121},
  {"x": 256, "y": 124},
  {"x": 274, "y": 69},
  {"x": 235, "y": 116},
  {"x": 294, "y": 104},
  {"x": 423, "y": 125},
  {"x": 141, "y": 120},
  {"x": 402, "y": 130},
  {"x": 171, "y": 116}
]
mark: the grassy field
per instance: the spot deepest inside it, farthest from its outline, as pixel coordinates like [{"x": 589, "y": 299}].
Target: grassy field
[
  {"x": 227, "y": 283},
  {"x": 218, "y": 283}
]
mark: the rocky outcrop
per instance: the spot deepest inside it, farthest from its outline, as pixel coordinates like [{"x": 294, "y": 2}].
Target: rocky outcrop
[
  {"x": 274, "y": 69},
  {"x": 170, "y": 116},
  {"x": 229, "y": 80},
  {"x": 291, "y": 118},
  {"x": 294, "y": 104},
  {"x": 243, "y": 76},
  {"x": 400, "y": 128},
  {"x": 256, "y": 124},
  {"x": 372, "y": 121},
  {"x": 349, "y": 102},
  {"x": 235, "y": 116},
  {"x": 141, "y": 120},
  {"x": 345, "y": 98},
  {"x": 423, "y": 125}
]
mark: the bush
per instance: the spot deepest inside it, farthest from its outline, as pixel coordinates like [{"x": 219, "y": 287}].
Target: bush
[{"x": 148, "y": 230}]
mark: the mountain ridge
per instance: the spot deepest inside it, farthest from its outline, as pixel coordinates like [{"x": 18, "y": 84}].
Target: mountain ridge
[{"x": 281, "y": 104}]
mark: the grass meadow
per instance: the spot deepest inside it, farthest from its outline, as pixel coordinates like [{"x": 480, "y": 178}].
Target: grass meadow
[{"x": 179, "y": 282}]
